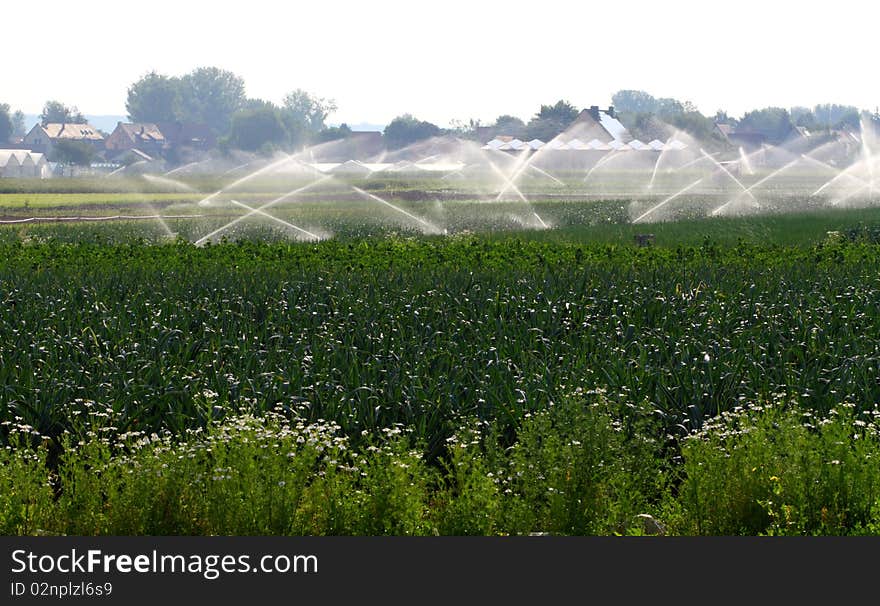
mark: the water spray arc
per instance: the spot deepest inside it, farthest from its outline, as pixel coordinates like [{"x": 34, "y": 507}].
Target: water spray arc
[
  {"x": 257, "y": 211},
  {"x": 667, "y": 200}
]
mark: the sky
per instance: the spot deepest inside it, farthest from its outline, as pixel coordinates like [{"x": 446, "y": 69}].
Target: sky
[{"x": 453, "y": 60}]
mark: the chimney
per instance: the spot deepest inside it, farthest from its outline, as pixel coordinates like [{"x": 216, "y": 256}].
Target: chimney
[
  {"x": 610, "y": 111},
  {"x": 594, "y": 111}
]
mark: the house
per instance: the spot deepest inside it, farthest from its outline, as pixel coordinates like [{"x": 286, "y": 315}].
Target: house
[
  {"x": 603, "y": 125},
  {"x": 187, "y": 135},
  {"x": 750, "y": 141},
  {"x": 44, "y": 137},
  {"x": 145, "y": 137}
]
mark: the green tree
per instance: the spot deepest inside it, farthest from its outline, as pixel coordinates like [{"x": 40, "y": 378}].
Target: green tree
[
  {"x": 154, "y": 98},
  {"x": 667, "y": 107},
  {"x": 506, "y": 124},
  {"x": 304, "y": 115},
  {"x": 259, "y": 104},
  {"x": 258, "y": 128},
  {"x": 72, "y": 152},
  {"x": 333, "y": 133},
  {"x": 695, "y": 124},
  {"x": 405, "y": 130},
  {"x": 634, "y": 102},
  {"x": 18, "y": 125},
  {"x": 209, "y": 95},
  {"x": 832, "y": 115},
  {"x": 551, "y": 120},
  {"x": 772, "y": 122},
  {"x": 722, "y": 117},
  {"x": 6, "y": 127},
  {"x": 55, "y": 112}
]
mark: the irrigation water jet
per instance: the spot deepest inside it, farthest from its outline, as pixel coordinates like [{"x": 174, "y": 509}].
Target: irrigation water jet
[
  {"x": 269, "y": 204},
  {"x": 668, "y": 200},
  {"x": 430, "y": 227},
  {"x": 276, "y": 219},
  {"x": 748, "y": 190},
  {"x": 729, "y": 174},
  {"x": 168, "y": 182}
]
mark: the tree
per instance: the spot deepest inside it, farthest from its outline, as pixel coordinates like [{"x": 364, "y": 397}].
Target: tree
[
  {"x": 333, "y": 133},
  {"x": 209, "y": 95},
  {"x": 259, "y": 104},
  {"x": 466, "y": 130},
  {"x": 304, "y": 115},
  {"x": 551, "y": 120},
  {"x": 72, "y": 152},
  {"x": 55, "y": 112},
  {"x": 772, "y": 122},
  {"x": 695, "y": 124},
  {"x": 6, "y": 127},
  {"x": 18, "y": 126},
  {"x": 258, "y": 128},
  {"x": 722, "y": 117},
  {"x": 506, "y": 124},
  {"x": 405, "y": 130},
  {"x": 154, "y": 98},
  {"x": 831, "y": 115},
  {"x": 634, "y": 102},
  {"x": 668, "y": 107}
]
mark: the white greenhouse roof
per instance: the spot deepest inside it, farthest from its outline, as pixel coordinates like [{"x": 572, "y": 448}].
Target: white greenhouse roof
[{"x": 556, "y": 144}]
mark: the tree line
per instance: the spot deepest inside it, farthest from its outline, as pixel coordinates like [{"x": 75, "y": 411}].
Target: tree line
[{"x": 216, "y": 98}]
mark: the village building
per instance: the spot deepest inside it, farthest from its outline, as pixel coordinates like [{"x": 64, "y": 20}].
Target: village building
[
  {"x": 43, "y": 137},
  {"x": 145, "y": 137},
  {"x": 187, "y": 136}
]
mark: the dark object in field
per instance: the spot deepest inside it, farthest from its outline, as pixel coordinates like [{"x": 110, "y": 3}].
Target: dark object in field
[{"x": 644, "y": 239}]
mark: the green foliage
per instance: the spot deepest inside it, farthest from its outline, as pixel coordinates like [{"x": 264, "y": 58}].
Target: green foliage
[
  {"x": 650, "y": 118},
  {"x": 333, "y": 133},
  {"x": 551, "y": 120},
  {"x": 304, "y": 115},
  {"x": 774, "y": 123},
  {"x": 634, "y": 102},
  {"x": 777, "y": 469},
  {"x": 494, "y": 384},
  {"x": 55, "y": 112},
  {"x": 18, "y": 125},
  {"x": 253, "y": 129},
  {"x": 154, "y": 98},
  {"x": 210, "y": 95},
  {"x": 405, "y": 130},
  {"x": 6, "y": 127},
  {"x": 576, "y": 469},
  {"x": 509, "y": 125},
  {"x": 72, "y": 152}
]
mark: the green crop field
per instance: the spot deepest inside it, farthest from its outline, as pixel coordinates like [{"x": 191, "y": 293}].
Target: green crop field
[{"x": 723, "y": 380}]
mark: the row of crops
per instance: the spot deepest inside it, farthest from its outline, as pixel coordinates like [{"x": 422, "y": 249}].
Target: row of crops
[{"x": 467, "y": 384}]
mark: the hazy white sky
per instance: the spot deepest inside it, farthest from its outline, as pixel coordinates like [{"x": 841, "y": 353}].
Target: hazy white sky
[{"x": 449, "y": 60}]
